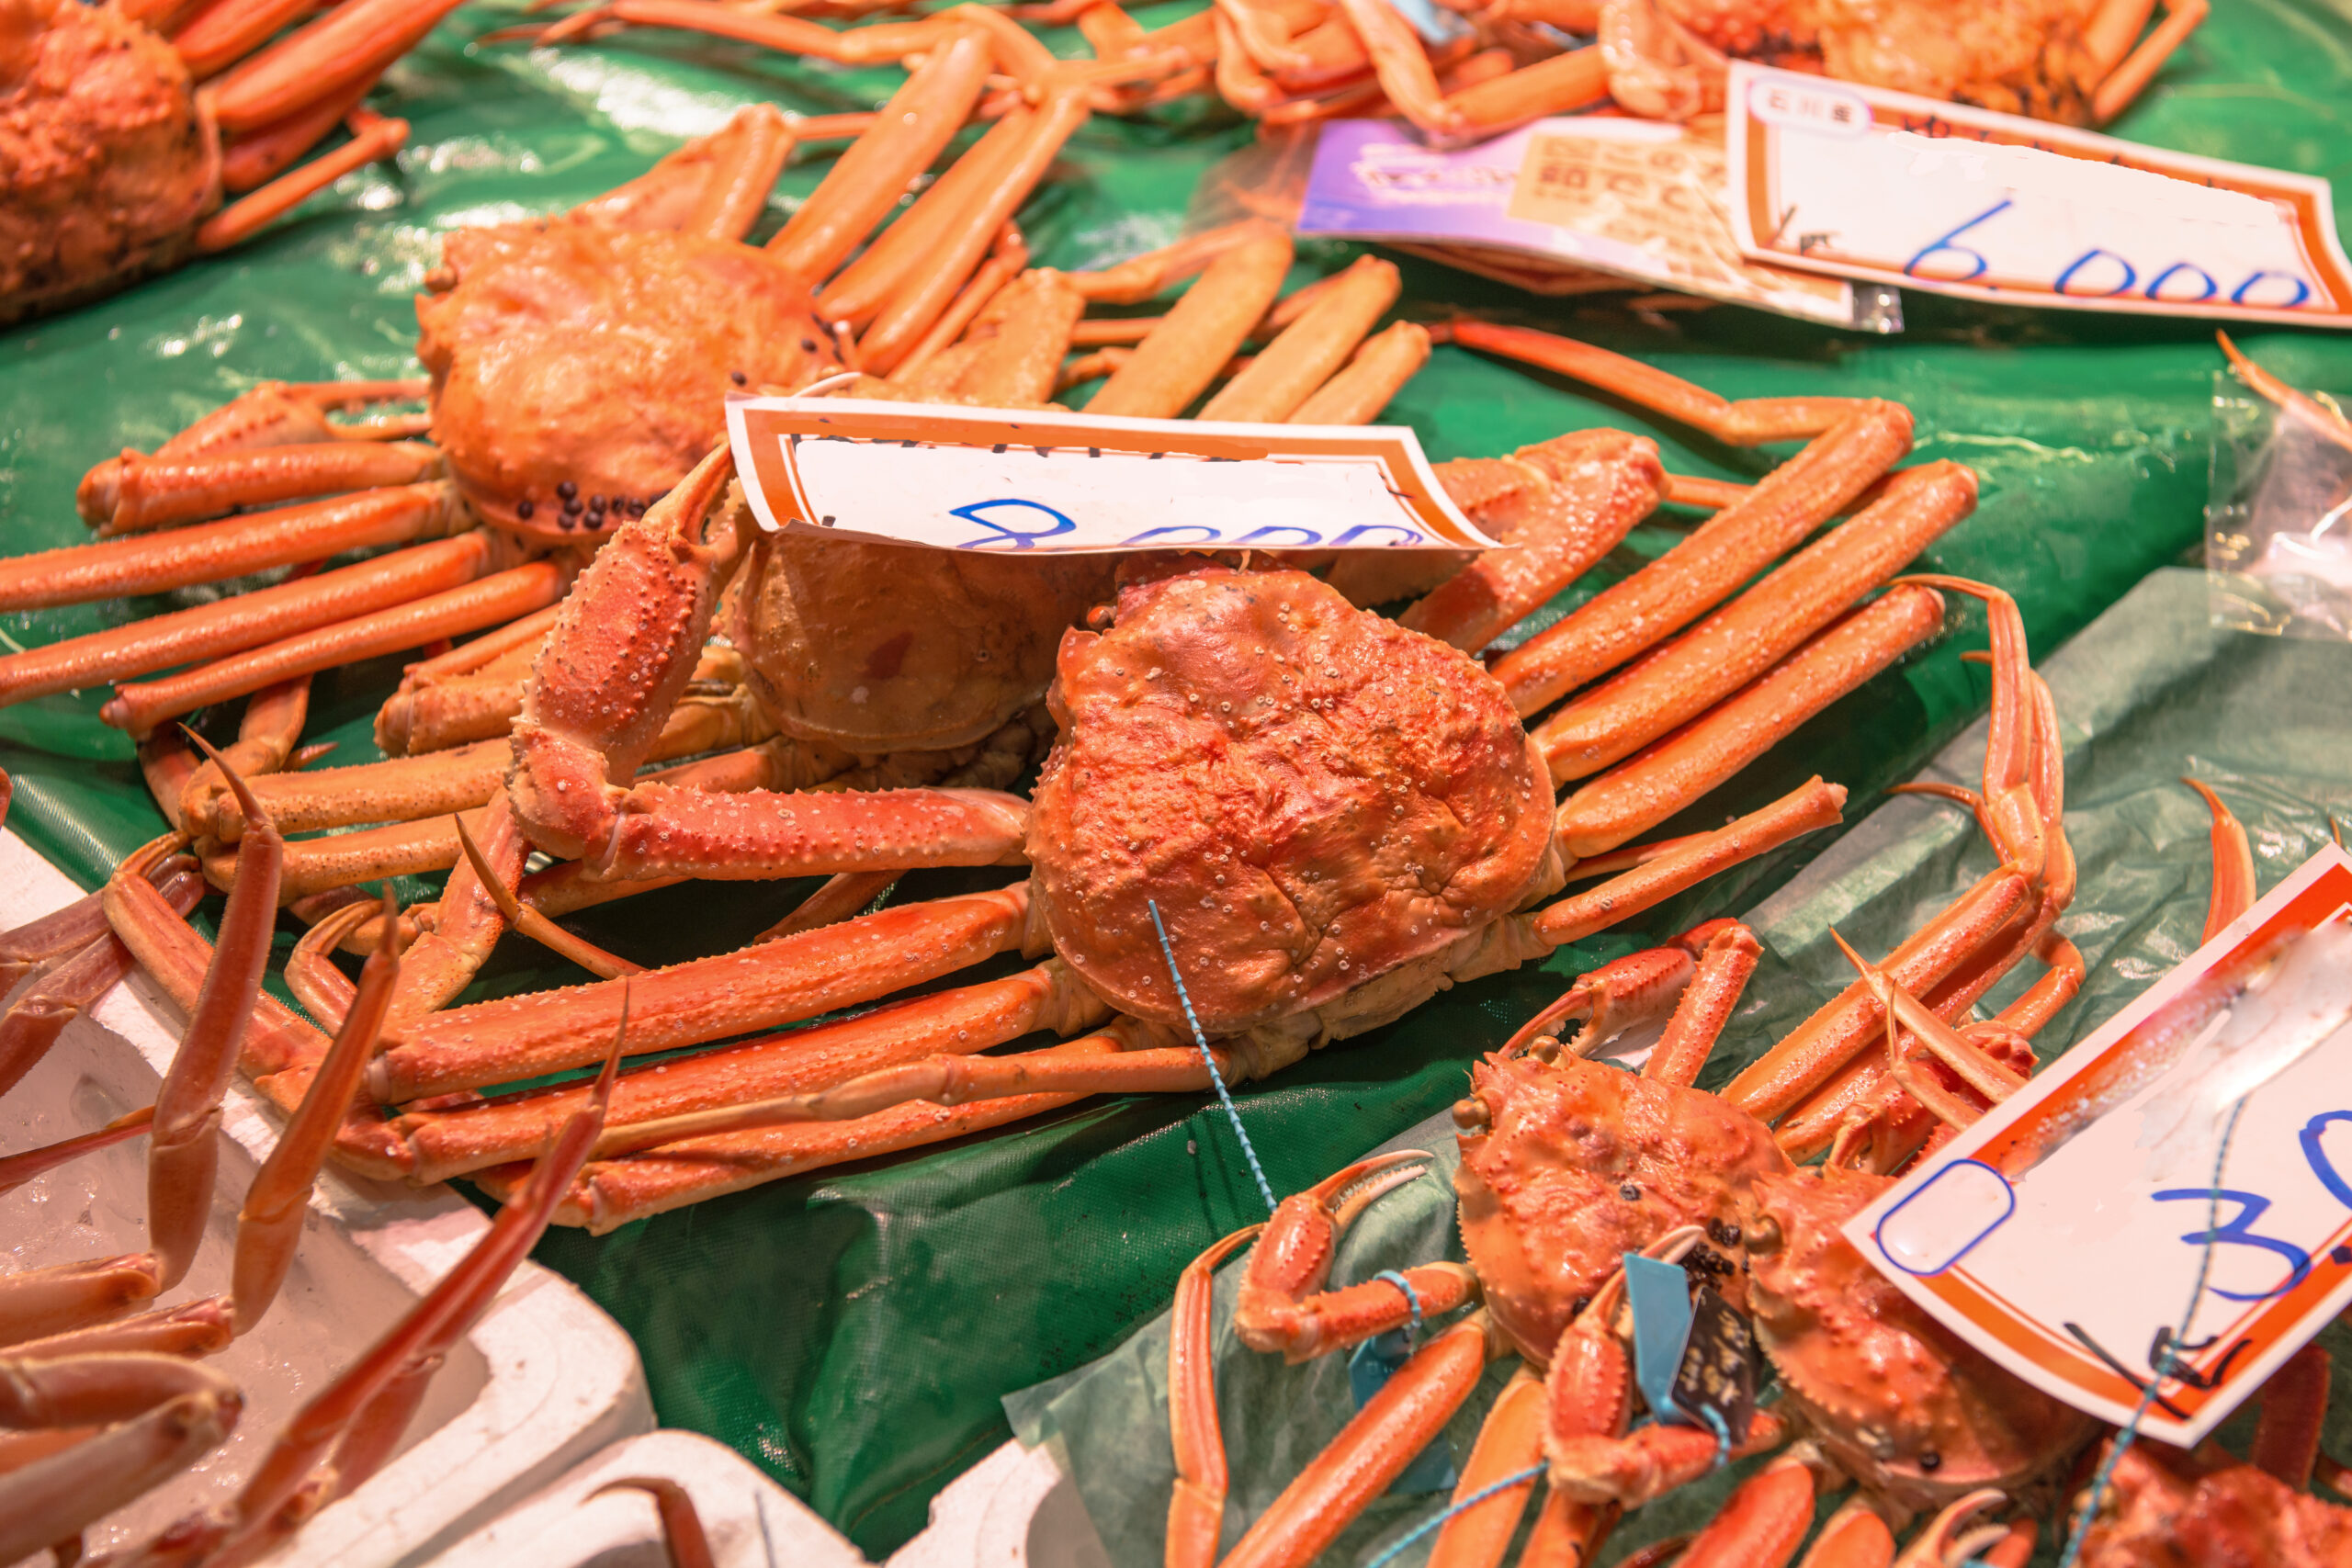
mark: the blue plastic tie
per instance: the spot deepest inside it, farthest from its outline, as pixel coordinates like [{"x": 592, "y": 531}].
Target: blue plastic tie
[
  {"x": 1472, "y": 1501},
  {"x": 1224, "y": 1095},
  {"x": 2165, "y": 1360},
  {"x": 1412, "y": 1303}
]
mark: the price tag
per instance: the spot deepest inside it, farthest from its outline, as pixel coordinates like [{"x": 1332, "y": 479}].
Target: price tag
[
  {"x": 2065, "y": 1232},
  {"x": 1575, "y": 197},
  {"x": 1000, "y": 480},
  {"x": 1718, "y": 1370},
  {"x": 1863, "y": 183}
]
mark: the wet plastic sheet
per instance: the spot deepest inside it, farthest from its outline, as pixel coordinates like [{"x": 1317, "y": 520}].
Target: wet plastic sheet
[
  {"x": 2150, "y": 691},
  {"x": 853, "y": 1331}
]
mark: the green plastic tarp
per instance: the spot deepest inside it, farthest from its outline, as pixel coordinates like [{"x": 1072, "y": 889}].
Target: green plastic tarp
[
  {"x": 2148, "y": 692},
  {"x": 853, "y": 1331}
]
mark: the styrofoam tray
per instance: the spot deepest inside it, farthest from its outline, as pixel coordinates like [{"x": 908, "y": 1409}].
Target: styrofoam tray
[{"x": 544, "y": 1381}]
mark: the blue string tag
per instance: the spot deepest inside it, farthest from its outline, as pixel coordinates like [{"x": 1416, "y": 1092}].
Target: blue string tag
[
  {"x": 1436, "y": 25},
  {"x": 1375, "y": 1362},
  {"x": 1659, "y": 1294}
]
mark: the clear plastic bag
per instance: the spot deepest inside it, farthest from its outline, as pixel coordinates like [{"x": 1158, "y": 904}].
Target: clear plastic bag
[{"x": 2278, "y": 522}]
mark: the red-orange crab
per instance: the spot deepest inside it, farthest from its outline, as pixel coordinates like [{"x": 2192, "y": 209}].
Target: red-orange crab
[
  {"x": 2205, "y": 1509},
  {"x": 114, "y": 160}
]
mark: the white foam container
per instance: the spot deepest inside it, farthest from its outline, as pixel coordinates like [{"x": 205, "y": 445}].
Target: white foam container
[{"x": 543, "y": 1381}]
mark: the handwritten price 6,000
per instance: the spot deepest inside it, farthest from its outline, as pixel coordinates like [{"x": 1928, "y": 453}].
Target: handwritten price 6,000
[{"x": 2100, "y": 273}]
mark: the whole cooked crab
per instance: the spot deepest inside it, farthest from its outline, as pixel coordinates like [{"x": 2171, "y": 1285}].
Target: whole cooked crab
[{"x": 123, "y": 123}]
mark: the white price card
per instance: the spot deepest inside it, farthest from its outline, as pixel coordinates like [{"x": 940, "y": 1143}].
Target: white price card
[
  {"x": 1862, "y": 183},
  {"x": 2065, "y": 1232},
  {"x": 1003, "y": 480}
]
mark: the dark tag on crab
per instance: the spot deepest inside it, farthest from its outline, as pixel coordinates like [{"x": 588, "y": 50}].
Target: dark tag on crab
[
  {"x": 1718, "y": 1370},
  {"x": 1375, "y": 1362}
]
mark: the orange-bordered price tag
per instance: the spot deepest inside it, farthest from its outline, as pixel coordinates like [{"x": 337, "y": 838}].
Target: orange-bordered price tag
[
  {"x": 1858, "y": 182},
  {"x": 2065, "y": 1232},
  {"x": 1011, "y": 480}
]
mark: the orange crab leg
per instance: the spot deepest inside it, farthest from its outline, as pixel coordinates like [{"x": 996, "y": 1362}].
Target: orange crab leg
[
  {"x": 1284, "y": 1306},
  {"x": 1510, "y": 1441},
  {"x": 1640, "y": 987},
  {"x": 708, "y": 999},
  {"x": 838, "y": 899},
  {"x": 158, "y": 492},
  {"x": 1196, "y": 1505},
  {"x": 1738, "y": 643},
  {"x": 868, "y": 283},
  {"x": 259, "y": 156},
  {"x": 2294, "y": 1411},
  {"x": 1006, "y": 262},
  {"x": 1175, "y": 363},
  {"x": 1763, "y": 1522},
  {"x": 1137, "y": 279},
  {"x": 373, "y": 137},
  {"x": 445, "y": 959},
  {"x": 246, "y": 621},
  {"x": 1310, "y": 348},
  {"x": 140, "y": 706},
  {"x": 1726, "y": 958},
  {"x": 2131, "y": 75},
  {"x": 40, "y": 1015},
  {"x": 324, "y": 991},
  {"x": 18, "y": 1169},
  {"x": 351, "y": 43},
  {"x": 1678, "y": 768},
  {"x": 965, "y": 237},
  {"x": 269, "y": 735},
  {"x": 1807, "y": 809},
  {"x": 165, "y": 1413},
  {"x": 1021, "y": 337},
  {"x": 234, "y": 547},
  {"x": 867, "y": 181},
  {"x": 1712, "y": 563},
  {"x": 2233, "y": 885},
  {"x": 1388, "y": 359},
  {"x": 1603, "y": 483},
  {"x": 612, "y": 1193},
  {"x": 1403, "y": 66},
  {"x": 193, "y": 1328},
  {"x": 274, "y": 414},
  {"x": 1550, "y": 86}
]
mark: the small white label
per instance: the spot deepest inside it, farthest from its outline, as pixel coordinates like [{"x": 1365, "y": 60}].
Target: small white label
[
  {"x": 2064, "y": 1233},
  {"x": 1006, "y": 481},
  {"x": 1858, "y": 182}
]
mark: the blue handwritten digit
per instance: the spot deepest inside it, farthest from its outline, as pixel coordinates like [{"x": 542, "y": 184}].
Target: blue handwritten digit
[
  {"x": 2316, "y": 1156},
  {"x": 2302, "y": 290},
  {"x": 2155, "y": 290},
  {"x": 1306, "y": 536},
  {"x": 1944, "y": 243},
  {"x": 1363, "y": 531},
  {"x": 1014, "y": 538},
  {"x": 2080, "y": 262},
  {"x": 2239, "y": 1231},
  {"x": 1209, "y": 535}
]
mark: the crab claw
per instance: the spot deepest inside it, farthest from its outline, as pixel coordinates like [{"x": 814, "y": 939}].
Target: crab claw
[
  {"x": 1622, "y": 994},
  {"x": 1283, "y": 1305},
  {"x": 1943, "y": 1542}
]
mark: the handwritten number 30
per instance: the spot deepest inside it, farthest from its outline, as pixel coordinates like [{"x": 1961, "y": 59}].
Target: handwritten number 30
[{"x": 2239, "y": 1231}]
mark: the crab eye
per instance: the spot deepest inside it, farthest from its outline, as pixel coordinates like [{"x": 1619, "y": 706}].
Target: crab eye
[
  {"x": 1470, "y": 1112},
  {"x": 1931, "y": 1461},
  {"x": 1764, "y": 1235},
  {"x": 1629, "y": 1192}
]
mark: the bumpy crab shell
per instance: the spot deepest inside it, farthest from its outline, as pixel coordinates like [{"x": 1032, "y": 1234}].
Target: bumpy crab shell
[
  {"x": 566, "y": 352},
  {"x": 1311, "y": 794},
  {"x": 2163, "y": 1509},
  {"x": 2022, "y": 57},
  {"x": 1895, "y": 1398},
  {"x": 1582, "y": 1163},
  {"x": 881, "y": 648},
  {"x": 105, "y": 161}
]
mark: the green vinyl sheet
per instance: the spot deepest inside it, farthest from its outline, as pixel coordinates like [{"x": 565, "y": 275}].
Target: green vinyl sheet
[
  {"x": 2148, "y": 692},
  {"x": 853, "y": 1331}
]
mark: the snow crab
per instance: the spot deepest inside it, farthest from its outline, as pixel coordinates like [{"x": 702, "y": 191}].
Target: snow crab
[
  {"x": 1344, "y": 902},
  {"x": 1570, "y": 1164},
  {"x": 114, "y": 160}
]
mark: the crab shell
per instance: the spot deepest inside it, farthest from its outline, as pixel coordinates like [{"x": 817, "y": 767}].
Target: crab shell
[
  {"x": 1898, "y": 1401},
  {"x": 566, "y": 351},
  {"x": 1314, "y": 797},
  {"x": 1581, "y": 1163},
  {"x": 2163, "y": 1509},
  {"x": 106, "y": 167},
  {"x": 884, "y": 648}
]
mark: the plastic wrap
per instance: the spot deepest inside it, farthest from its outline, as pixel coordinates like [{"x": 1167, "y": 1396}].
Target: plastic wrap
[{"x": 2278, "y": 527}]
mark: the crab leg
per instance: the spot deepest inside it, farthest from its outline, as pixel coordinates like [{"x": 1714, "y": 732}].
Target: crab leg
[
  {"x": 159, "y": 492},
  {"x": 252, "y": 161},
  {"x": 1676, "y": 769},
  {"x": 18, "y": 1169},
  {"x": 141, "y": 706},
  {"x": 1511, "y": 1440},
  {"x": 269, "y": 735},
  {"x": 865, "y": 182},
  {"x": 164, "y": 1412},
  {"x": 1601, "y": 483},
  {"x": 1550, "y": 86},
  {"x": 1736, "y": 644},
  {"x": 58, "y": 935},
  {"x": 868, "y": 283},
  {"x": 274, "y": 414},
  {"x": 965, "y": 237},
  {"x": 1388, "y": 359},
  {"x": 1007, "y": 259},
  {"x": 2132, "y": 75},
  {"x": 1622, "y": 994},
  {"x": 2233, "y": 885},
  {"x": 234, "y": 547},
  {"x": 193, "y": 1328},
  {"x": 1308, "y": 350},
  {"x": 1176, "y": 362},
  {"x": 1726, "y": 958},
  {"x": 1407, "y": 1413},
  {"x": 1766, "y": 1518},
  {"x": 1708, "y": 566},
  {"x": 1284, "y": 1306},
  {"x": 1021, "y": 337},
  {"x": 40, "y": 1015},
  {"x": 1196, "y": 1505},
  {"x": 350, "y": 44},
  {"x": 1136, "y": 280},
  {"x": 373, "y": 137},
  {"x": 246, "y": 621}
]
